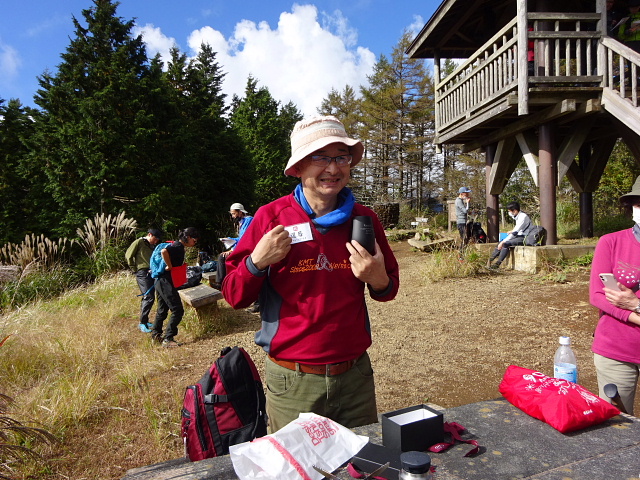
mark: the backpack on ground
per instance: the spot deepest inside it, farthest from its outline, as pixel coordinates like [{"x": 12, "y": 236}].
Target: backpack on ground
[
  {"x": 475, "y": 232},
  {"x": 535, "y": 236},
  {"x": 225, "y": 407},
  {"x": 210, "y": 266}
]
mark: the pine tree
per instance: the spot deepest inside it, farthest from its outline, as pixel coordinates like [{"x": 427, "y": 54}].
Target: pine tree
[
  {"x": 215, "y": 169},
  {"x": 265, "y": 127},
  {"x": 18, "y": 189},
  {"x": 96, "y": 139},
  {"x": 348, "y": 109}
]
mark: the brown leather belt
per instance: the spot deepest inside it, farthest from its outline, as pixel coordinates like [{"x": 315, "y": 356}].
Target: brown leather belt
[{"x": 329, "y": 369}]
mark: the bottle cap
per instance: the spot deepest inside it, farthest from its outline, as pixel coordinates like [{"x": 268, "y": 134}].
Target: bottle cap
[
  {"x": 565, "y": 340},
  {"x": 415, "y": 462}
]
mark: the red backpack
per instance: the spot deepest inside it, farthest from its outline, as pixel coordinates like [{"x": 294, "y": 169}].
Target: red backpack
[{"x": 225, "y": 407}]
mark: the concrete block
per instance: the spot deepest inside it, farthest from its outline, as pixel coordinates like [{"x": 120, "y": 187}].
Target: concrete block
[{"x": 531, "y": 259}]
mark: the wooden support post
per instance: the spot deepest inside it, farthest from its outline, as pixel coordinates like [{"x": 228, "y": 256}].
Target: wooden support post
[
  {"x": 586, "y": 214},
  {"x": 523, "y": 76},
  {"x": 493, "y": 219},
  {"x": 586, "y": 198},
  {"x": 548, "y": 176}
]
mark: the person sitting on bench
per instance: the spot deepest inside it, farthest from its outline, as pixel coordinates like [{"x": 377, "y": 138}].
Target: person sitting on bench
[{"x": 514, "y": 238}]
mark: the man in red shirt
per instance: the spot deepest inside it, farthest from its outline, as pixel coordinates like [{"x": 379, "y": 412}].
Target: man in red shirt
[{"x": 297, "y": 257}]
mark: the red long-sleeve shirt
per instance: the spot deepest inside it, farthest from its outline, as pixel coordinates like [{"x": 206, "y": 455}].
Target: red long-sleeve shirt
[{"x": 312, "y": 306}]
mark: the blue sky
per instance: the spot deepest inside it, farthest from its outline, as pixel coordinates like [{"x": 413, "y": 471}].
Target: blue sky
[{"x": 297, "y": 50}]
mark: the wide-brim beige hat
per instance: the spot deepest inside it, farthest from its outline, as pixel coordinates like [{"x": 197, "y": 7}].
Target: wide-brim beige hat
[
  {"x": 635, "y": 190},
  {"x": 316, "y": 133}
]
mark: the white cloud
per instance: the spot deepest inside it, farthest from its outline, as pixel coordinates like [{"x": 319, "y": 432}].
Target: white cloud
[
  {"x": 299, "y": 61},
  {"x": 10, "y": 62},
  {"x": 416, "y": 26},
  {"x": 155, "y": 41}
]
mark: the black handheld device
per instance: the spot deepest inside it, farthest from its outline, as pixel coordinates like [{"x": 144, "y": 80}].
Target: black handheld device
[{"x": 362, "y": 231}]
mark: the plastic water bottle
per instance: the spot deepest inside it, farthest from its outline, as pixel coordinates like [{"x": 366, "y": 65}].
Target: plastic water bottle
[{"x": 564, "y": 362}]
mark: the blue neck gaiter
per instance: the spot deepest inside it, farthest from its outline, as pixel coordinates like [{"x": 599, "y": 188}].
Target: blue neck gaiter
[{"x": 341, "y": 214}]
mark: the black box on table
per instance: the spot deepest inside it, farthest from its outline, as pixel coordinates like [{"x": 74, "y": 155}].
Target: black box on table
[{"x": 412, "y": 428}]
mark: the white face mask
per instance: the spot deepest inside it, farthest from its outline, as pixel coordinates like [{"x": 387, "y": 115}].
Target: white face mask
[
  {"x": 636, "y": 214},
  {"x": 512, "y": 215}
]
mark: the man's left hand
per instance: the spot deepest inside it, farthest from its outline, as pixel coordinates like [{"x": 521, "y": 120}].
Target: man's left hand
[{"x": 368, "y": 268}]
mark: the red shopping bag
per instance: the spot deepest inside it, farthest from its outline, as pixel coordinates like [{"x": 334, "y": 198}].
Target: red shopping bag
[{"x": 564, "y": 405}]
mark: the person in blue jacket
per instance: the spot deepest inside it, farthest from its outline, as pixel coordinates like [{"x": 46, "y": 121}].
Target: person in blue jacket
[{"x": 242, "y": 217}]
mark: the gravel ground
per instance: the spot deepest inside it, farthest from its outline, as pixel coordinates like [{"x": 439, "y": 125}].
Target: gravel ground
[{"x": 449, "y": 342}]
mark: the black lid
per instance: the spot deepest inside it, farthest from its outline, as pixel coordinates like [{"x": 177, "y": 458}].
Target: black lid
[{"x": 415, "y": 462}]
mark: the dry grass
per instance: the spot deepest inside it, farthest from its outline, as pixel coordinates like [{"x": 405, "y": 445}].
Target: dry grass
[
  {"x": 79, "y": 368},
  {"x": 450, "y": 263},
  {"x": 34, "y": 250},
  {"x": 103, "y": 230}
]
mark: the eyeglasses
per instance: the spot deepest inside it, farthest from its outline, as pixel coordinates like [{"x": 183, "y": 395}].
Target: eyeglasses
[{"x": 324, "y": 160}]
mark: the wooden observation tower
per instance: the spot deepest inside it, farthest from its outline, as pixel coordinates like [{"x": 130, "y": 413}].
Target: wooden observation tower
[{"x": 542, "y": 81}]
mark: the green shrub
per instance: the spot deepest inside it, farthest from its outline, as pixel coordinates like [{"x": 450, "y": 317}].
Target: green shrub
[
  {"x": 38, "y": 285},
  {"x": 558, "y": 270},
  {"x": 610, "y": 224}
]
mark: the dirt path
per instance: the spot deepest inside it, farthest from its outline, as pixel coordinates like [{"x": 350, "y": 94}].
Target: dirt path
[{"x": 450, "y": 342}]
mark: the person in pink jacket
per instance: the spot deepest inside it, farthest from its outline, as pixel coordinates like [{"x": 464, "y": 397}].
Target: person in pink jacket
[
  {"x": 298, "y": 259},
  {"x": 616, "y": 341}
]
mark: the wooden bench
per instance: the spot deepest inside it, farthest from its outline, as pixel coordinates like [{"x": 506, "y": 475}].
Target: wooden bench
[
  {"x": 203, "y": 298},
  {"x": 209, "y": 278}
]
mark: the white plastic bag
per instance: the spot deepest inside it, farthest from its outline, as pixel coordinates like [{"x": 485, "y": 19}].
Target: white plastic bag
[{"x": 291, "y": 452}]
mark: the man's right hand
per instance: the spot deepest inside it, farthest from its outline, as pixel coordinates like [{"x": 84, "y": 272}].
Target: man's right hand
[{"x": 271, "y": 248}]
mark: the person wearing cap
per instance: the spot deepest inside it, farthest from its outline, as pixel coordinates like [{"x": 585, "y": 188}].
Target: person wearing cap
[
  {"x": 137, "y": 256},
  {"x": 311, "y": 278},
  {"x": 629, "y": 30},
  {"x": 242, "y": 219},
  {"x": 515, "y": 237},
  {"x": 616, "y": 340},
  {"x": 462, "y": 209}
]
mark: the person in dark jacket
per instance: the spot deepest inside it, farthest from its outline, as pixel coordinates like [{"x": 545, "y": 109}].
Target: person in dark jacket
[
  {"x": 138, "y": 255},
  {"x": 168, "y": 296}
]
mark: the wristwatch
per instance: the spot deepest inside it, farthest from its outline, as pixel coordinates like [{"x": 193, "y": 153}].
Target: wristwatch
[{"x": 637, "y": 309}]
